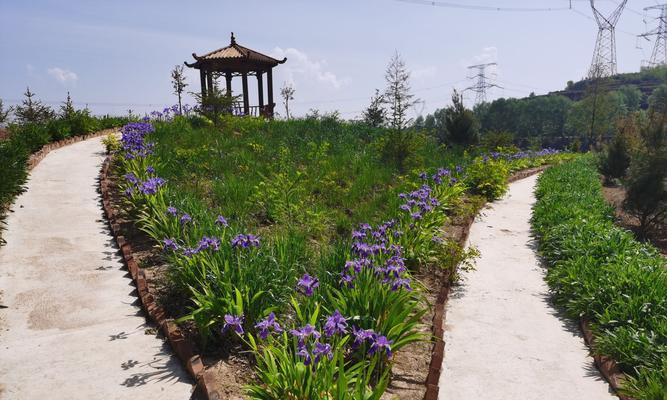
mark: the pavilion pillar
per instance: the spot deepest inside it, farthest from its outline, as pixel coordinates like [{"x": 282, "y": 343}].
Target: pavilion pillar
[
  {"x": 260, "y": 90},
  {"x": 202, "y": 78},
  {"x": 269, "y": 88},
  {"x": 228, "y": 79},
  {"x": 246, "y": 100},
  {"x": 209, "y": 79}
]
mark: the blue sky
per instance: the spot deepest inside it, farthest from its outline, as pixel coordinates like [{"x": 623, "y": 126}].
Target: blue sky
[{"x": 117, "y": 55}]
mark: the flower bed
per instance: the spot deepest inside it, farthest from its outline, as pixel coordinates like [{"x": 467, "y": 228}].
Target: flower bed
[
  {"x": 597, "y": 271},
  {"x": 320, "y": 329}
]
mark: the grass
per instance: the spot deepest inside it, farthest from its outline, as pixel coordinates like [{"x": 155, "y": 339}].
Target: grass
[
  {"x": 335, "y": 237},
  {"x": 597, "y": 270}
]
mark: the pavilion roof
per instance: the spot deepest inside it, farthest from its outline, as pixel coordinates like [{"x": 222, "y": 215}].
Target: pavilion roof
[{"x": 235, "y": 54}]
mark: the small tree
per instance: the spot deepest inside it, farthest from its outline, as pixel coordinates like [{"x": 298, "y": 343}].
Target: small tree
[
  {"x": 375, "y": 114},
  {"x": 67, "y": 108},
  {"x": 179, "y": 84},
  {"x": 397, "y": 94},
  {"x": 647, "y": 176},
  {"x": 616, "y": 157},
  {"x": 287, "y": 93},
  {"x": 4, "y": 114},
  {"x": 32, "y": 110},
  {"x": 460, "y": 122}
]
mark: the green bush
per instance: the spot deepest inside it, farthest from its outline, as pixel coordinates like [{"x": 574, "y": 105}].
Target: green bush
[
  {"x": 599, "y": 271},
  {"x": 487, "y": 177}
]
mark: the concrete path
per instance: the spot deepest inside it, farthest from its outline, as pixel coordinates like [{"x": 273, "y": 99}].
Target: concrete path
[
  {"x": 72, "y": 328},
  {"x": 503, "y": 338}
]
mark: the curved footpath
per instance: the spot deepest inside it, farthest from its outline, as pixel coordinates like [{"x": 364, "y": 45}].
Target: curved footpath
[
  {"x": 503, "y": 338},
  {"x": 70, "y": 326}
]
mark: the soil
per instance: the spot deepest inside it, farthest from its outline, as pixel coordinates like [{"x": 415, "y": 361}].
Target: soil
[
  {"x": 615, "y": 195},
  {"x": 3, "y": 134}
]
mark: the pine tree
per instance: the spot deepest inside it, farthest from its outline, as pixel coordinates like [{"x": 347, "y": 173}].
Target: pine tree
[
  {"x": 67, "y": 108},
  {"x": 375, "y": 114},
  {"x": 32, "y": 110},
  {"x": 397, "y": 94}
]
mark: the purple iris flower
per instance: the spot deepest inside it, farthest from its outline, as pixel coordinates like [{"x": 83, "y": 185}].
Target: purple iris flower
[
  {"x": 268, "y": 324},
  {"x": 170, "y": 244},
  {"x": 335, "y": 325},
  {"x": 307, "y": 284},
  {"x": 401, "y": 283},
  {"x": 130, "y": 177},
  {"x": 361, "y": 335},
  {"x": 150, "y": 170},
  {"x": 129, "y": 191},
  {"x": 208, "y": 243},
  {"x": 320, "y": 350},
  {"x": 172, "y": 211},
  {"x": 423, "y": 176},
  {"x": 347, "y": 280},
  {"x": 151, "y": 186},
  {"x": 358, "y": 235},
  {"x": 189, "y": 252},
  {"x": 245, "y": 241},
  {"x": 416, "y": 216},
  {"x": 380, "y": 343},
  {"x": 221, "y": 221},
  {"x": 304, "y": 333},
  {"x": 303, "y": 352},
  {"x": 185, "y": 218},
  {"x": 233, "y": 322}
]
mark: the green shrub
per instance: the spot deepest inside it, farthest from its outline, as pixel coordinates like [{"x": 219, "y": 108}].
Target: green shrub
[
  {"x": 402, "y": 148},
  {"x": 493, "y": 140},
  {"x": 599, "y": 271},
  {"x": 487, "y": 177}
]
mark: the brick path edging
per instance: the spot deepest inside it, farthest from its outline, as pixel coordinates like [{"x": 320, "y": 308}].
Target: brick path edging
[
  {"x": 182, "y": 347},
  {"x": 605, "y": 364}
]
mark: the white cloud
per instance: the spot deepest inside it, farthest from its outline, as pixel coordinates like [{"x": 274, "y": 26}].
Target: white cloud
[
  {"x": 63, "y": 76},
  {"x": 488, "y": 55},
  {"x": 299, "y": 65}
]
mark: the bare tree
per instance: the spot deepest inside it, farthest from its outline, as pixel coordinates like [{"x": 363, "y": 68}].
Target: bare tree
[
  {"x": 287, "y": 93},
  {"x": 179, "y": 84},
  {"x": 397, "y": 94}
]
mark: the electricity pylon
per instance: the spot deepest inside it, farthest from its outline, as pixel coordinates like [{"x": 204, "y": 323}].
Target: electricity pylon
[
  {"x": 659, "y": 54},
  {"x": 604, "y": 56},
  {"x": 480, "y": 87}
]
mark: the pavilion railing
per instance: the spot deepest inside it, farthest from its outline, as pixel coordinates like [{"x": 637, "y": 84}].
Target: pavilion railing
[{"x": 253, "y": 111}]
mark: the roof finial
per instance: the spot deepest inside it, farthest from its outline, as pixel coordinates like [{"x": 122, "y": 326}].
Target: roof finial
[{"x": 233, "y": 39}]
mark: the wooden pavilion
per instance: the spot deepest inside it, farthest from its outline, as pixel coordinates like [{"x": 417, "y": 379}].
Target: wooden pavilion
[{"x": 236, "y": 60}]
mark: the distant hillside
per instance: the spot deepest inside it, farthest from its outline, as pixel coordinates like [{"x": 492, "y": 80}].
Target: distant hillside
[{"x": 646, "y": 81}]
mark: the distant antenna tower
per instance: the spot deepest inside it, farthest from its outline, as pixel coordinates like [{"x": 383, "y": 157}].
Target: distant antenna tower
[
  {"x": 482, "y": 85},
  {"x": 604, "y": 56},
  {"x": 659, "y": 55}
]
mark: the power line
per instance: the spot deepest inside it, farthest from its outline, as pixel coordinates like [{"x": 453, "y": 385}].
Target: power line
[{"x": 482, "y": 8}]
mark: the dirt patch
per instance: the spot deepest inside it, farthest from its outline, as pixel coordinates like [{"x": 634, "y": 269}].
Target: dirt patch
[
  {"x": 615, "y": 195},
  {"x": 4, "y": 134}
]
